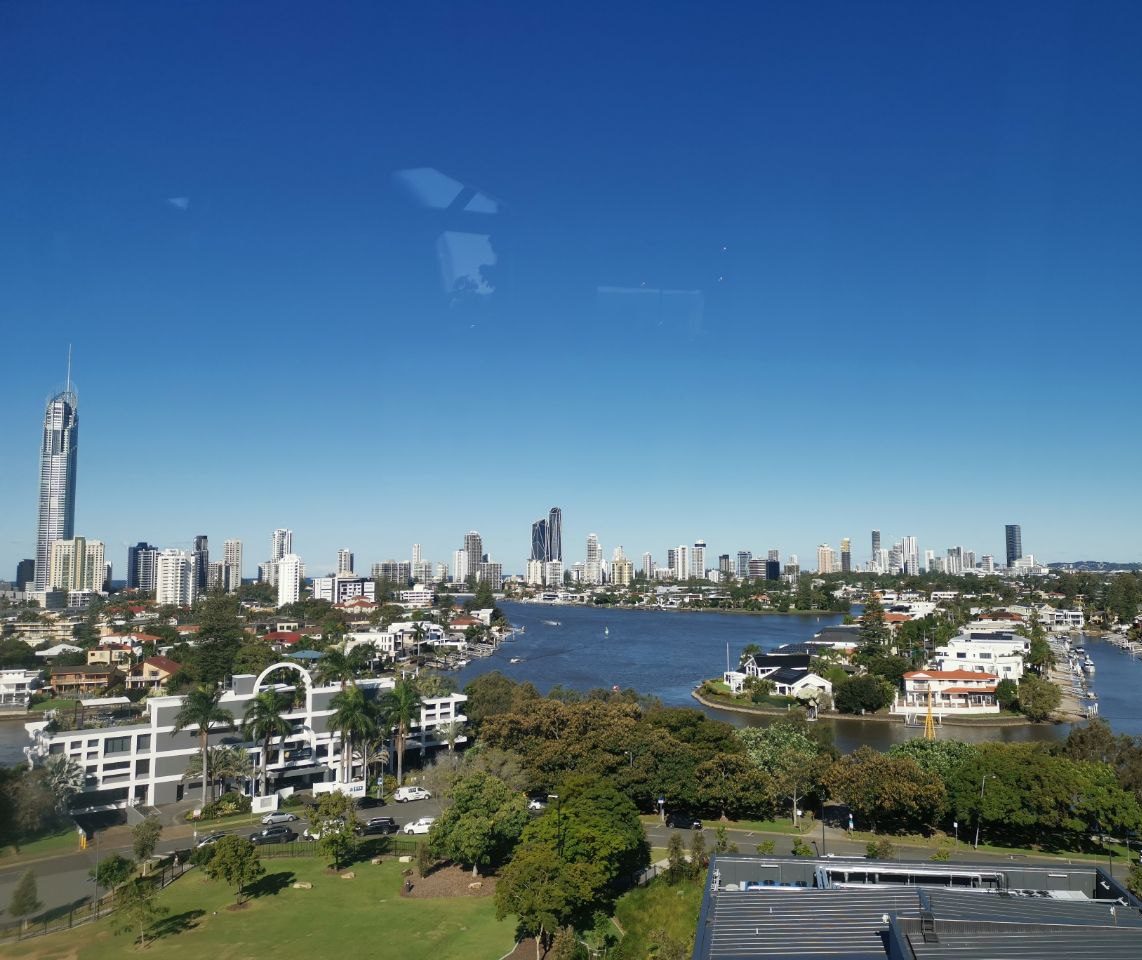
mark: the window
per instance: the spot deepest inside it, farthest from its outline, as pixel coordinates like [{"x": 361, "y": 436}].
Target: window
[
  {"x": 116, "y": 745},
  {"x": 142, "y": 768},
  {"x": 142, "y": 742}
]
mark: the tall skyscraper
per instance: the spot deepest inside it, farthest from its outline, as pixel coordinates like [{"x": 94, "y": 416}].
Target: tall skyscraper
[
  {"x": 698, "y": 560},
  {"x": 175, "y": 582},
  {"x": 593, "y": 569},
  {"x": 474, "y": 547},
  {"x": 141, "y": 559},
  {"x": 539, "y": 540},
  {"x": 774, "y": 555},
  {"x": 681, "y": 562},
  {"x": 25, "y": 573},
  {"x": 876, "y": 547},
  {"x": 201, "y": 561},
  {"x": 280, "y": 544},
  {"x": 555, "y": 534},
  {"x": 772, "y": 569},
  {"x": 1013, "y": 534},
  {"x": 648, "y": 566},
  {"x": 460, "y": 566},
  {"x": 744, "y": 557},
  {"x": 58, "y": 459},
  {"x": 345, "y": 561},
  {"x": 846, "y": 555},
  {"x": 76, "y": 564},
  {"x": 232, "y": 565},
  {"x": 910, "y": 556},
  {"x": 826, "y": 559},
  {"x": 289, "y": 579},
  {"x": 725, "y": 565}
]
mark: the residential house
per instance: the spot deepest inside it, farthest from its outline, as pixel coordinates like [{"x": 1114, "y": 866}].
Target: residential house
[
  {"x": 153, "y": 673},
  {"x": 957, "y": 692},
  {"x": 86, "y": 680}
]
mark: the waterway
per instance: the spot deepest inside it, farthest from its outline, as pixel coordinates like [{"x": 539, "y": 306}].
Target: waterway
[{"x": 667, "y": 653}]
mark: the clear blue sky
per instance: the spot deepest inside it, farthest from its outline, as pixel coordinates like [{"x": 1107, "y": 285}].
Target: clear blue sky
[{"x": 765, "y": 274}]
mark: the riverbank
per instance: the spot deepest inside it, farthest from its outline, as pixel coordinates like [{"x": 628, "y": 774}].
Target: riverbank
[
  {"x": 716, "y": 703},
  {"x": 731, "y": 611}
]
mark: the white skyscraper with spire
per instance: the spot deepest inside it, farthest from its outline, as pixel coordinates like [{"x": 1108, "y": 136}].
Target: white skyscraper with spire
[{"x": 57, "y": 477}]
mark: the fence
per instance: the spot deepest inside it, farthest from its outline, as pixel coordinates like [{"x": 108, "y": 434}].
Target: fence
[
  {"x": 75, "y": 914},
  {"x": 371, "y": 846}
]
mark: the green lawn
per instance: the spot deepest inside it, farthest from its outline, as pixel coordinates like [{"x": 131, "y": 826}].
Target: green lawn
[
  {"x": 363, "y": 917},
  {"x": 58, "y": 704},
  {"x": 64, "y": 840}
]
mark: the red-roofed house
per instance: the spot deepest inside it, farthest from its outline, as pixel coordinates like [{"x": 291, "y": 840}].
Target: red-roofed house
[
  {"x": 282, "y": 638},
  {"x": 152, "y": 673},
  {"x": 957, "y": 692}
]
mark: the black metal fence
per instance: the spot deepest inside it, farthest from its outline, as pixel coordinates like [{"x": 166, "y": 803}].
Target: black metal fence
[
  {"x": 87, "y": 910},
  {"x": 372, "y": 846}
]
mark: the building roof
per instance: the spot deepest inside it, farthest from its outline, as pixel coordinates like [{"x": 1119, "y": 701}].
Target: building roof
[
  {"x": 968, "y": 690},
  {"x": 797, "y": 661},
  {"x": 165, "y": 664},
  {"x": 787, "y": 675},
  {"x": 948, "y": 675},
  {"x": 87, "y": 669},
  {"x": 283, "y": 636}
]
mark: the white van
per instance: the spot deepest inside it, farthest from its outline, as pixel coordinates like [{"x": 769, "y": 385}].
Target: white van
[{"x": 405, "y": 794}]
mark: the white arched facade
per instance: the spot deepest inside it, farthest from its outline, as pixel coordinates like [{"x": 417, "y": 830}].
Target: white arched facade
[{"x": 306, "y": 678}]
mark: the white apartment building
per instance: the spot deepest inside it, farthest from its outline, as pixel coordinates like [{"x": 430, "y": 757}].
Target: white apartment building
[
  {"x": 343, "y": 589},
  {"x": 419, "y": 597},
  {"x": 553, "y": 573},
  {"x": 826, "y": 559},
  {"x": 698, "y": 560},
  {"x": 344, "y": 563},
  {"x": 999, "y": 654},
  {"x": 231, "y": 565},
  {"x": 175, "y": 582},
  {"x": 77, "y": 564},
  {"x": 133, "y": 759},
  {"x": 17, "y": 686},
  {"x": 289, "y": 579},
  {"x": 534, "y": 574}
]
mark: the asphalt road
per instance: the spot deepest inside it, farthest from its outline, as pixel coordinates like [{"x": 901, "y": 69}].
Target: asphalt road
[{"x": 64, "y": 880}]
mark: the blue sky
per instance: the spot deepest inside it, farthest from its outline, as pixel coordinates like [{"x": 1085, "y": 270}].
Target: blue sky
[{"x": 768, "y": 276}]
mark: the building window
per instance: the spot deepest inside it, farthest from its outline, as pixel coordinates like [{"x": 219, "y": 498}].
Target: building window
[
  {"x": 142, "y": 768},
  {"x": 142, "y": 742},
  {"x": 117, "y": 745}
]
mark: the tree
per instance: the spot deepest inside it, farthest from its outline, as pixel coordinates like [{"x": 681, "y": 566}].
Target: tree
[
  {"x": 112, "y": 872},
  {"x": 144, "y": 839},
  {"x": 335, "y": 667},
  {"x": 862, "y": 693},
  {"x": 1007, "y": 693},
  {"x": 64, "y": 778},
  {"x": 138, "y": 909},
  {"x": 874, "y": 632},
  {"x": 334, "y": 821},
  {"x": 226, "y": 763},
  {"x": 886, "y": 790},
  {"x": 483, "y": 824},
  {"x": 546, "y": 893},
  {"x": 1038, "y": 698},
  {"x": 200, "y": 710},
  {"x": 25, "y": 898},
  {"x": 354, "y": 718},
  {"x": 732, "y": 786},
  {"x": 400, "y": 709},
  {"x": 792, "y": 760},
  {"x": 676, "y": 865},
  {"x": 235, "y": 862},
  {"x": 698, "y": 859},
  {"x": 262, "y": 722}
]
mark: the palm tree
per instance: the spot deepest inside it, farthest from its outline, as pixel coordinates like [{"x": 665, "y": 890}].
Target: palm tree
[
  {"x": 199, "y": 710},
  {"x": 263, "y": 721},
  {"x": 335, "y": 666},
  {"x": 355, "y": 719},
  {"x": 400, "y": 708},
  {"x": 226, "y": 763}
]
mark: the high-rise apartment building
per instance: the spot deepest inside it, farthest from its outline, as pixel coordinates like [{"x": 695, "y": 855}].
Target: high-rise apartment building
[
  {"x": 555, "y": 534},
  {"x": 345, "y": 562},
  {"x": 396, "y": 572},
  {"x": 201, "y": 561},
  {"x": 175, "y": 581},
  {"x": 756, "y": 568},
  {"x": 774, "y": 555},
  {"x": 698, "y": 560},
  {"x": 826, "y": 559},
  {"x": 553, "y": 573},
  {"x": 141, "y": 560},
  {"x": 58, "y": 461},
  {"x": 490, "y": 573},
  {"x": 744, "y": 557},
  {"x": 846, "y": 555},
  {"x": 460, "y": 566},
  {"x": 955, "y": 561},
  {"x": 681, "y": 562},
  {"x": 622, "y": 570},
  {"x": 539, "y": 540},
  {"x": 281, "y": 543},
  {"x": 910, "y": 556},
  {"x": 648, "y": 565},
  {"x": 593, "y": 568},
  {"x": 672, "y": 560},
  {"x": 725, "y": 565},
  {"x": 231, "y": 565},
  {"x": 533, "y": 575},
  {"x": 417, "y": 554},
  {"x": 772, "y": 569},
  {"x": 1013, "y": 535},
  {"x": 25, "y": 573},
  {"x": 289, "y": 579},
  {"x": 474, "y": 547},
  {"x": 876, "y": 551},
  {"x": 76, "y": 564}
]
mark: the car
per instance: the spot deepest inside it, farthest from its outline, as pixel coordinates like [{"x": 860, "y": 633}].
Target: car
[
  {"x": 423, "y": 825},
  {"x": 275, "y": 834},
  {"x": 405, "y": 794},
  {"x": 378, "y": 825},
  {"x": 364, "y": 803},
  {"x": 535, "y": 803},
  {"x": 209, "y": 841},
  {"x": 684, "y": 821},
  {"x": 278, "y": 816}
]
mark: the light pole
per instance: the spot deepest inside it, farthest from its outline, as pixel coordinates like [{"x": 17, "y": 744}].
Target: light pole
[
  {"x": 662, "y": 808},
  {"x": 956, "y": 827},
  {"x": 558, "y": 822},
  {"x": 822, "y": 826},
  {"x": 979, "y": 814}
]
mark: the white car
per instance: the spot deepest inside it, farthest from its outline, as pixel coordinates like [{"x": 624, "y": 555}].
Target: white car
[
  {"x": 536, "y": 804},
  {"x": 423, "y": 825},
  {"x": 405, "y": 794},
  {"x": 315, "y": 831},
  {"x": 278, "y": 816}
]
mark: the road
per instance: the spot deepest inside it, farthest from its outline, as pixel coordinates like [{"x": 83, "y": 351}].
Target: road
[{"x": 64, "y": 880}]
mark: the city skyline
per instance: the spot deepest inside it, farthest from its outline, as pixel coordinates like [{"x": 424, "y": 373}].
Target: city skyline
[{"x": 890, "y": 257}]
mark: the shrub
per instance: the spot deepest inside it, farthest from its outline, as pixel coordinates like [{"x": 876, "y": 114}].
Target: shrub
[
  {"x": 880, "y": 850},
  {"x": 801, "y": 848}
]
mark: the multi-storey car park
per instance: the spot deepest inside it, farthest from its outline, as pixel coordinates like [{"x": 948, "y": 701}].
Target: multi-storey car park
[{"x": 133, "y": 759}]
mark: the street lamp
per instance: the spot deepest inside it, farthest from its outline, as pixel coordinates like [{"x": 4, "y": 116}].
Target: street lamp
[
  {"x": 662, "y": 808},
  {"x": 558, "y": 822},
  {"x": 822, "y": 826},
  {"x": 956, "y": 827},
  {"x": 979, "y": 814}
]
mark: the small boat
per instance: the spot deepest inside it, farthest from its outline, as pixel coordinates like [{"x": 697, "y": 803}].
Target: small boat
[
  {"x": 515, "y": 660},
  {"x": 1088, "y": 665},
  {"x": 606, "y": 631},
  {"x": 553, "y": 623}
]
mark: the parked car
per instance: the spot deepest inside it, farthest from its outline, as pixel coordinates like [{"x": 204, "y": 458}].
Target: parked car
[
  {"x": 536, "y": 803},
  {"x": 365, "y": 803},
  {"x": 405, "y": 794},
  {"x": 378, "y": 825},
  {"x": 423, "y": 825},
  {"x": 683, "y": 821},
  {"x": 210, "y": 840},
  {"x": 278, "y": 816},
  {"x": 278, "y": 834}
]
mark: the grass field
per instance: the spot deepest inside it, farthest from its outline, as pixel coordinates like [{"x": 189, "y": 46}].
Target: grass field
[
  {"x": 363, "y": 917},
  {"x": 63, "y": 840},
  {"x": 648, "y": 915}
]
